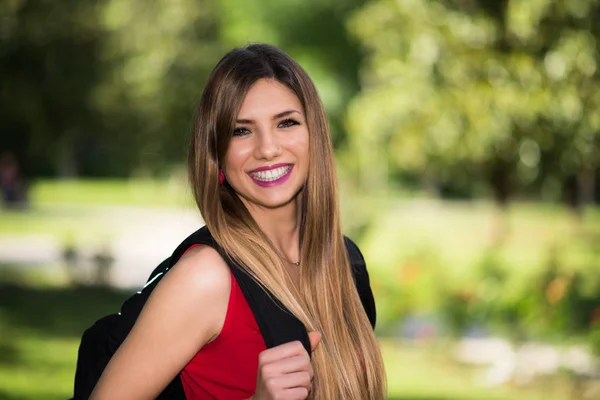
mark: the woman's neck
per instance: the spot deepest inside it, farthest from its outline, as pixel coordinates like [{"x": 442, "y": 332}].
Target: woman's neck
[{"x": 282, "y": 226}]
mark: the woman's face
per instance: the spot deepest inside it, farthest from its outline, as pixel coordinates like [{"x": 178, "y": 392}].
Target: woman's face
[{"x": 267, "y": 159}]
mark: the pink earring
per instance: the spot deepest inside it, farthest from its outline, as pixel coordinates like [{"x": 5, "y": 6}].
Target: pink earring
[{"x": 221, "y": 176}]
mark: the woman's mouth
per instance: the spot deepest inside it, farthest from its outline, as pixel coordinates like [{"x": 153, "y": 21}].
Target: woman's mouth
[{"x": 272, "y": 176}]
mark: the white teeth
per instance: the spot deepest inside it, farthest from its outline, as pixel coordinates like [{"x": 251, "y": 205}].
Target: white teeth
[{"x": 272, "y": 174}]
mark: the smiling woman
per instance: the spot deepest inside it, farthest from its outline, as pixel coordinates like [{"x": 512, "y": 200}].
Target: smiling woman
[{"x": 269, "y": 300}]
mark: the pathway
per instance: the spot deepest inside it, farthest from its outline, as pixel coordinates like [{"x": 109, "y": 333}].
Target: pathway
[{"x": 138, "y": 238}]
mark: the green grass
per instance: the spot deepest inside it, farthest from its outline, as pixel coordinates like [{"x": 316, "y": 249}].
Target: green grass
[
  {"x": 414, "y": 240},
  {"x": 41, "y": 368},
  {"x": 69, "y": 208},
  {"x": 427, "y": 373},
  {"x": 461, "y": 231},
  {"x": 137, "y": 192},
  {"x": 54, "y": 220},
  {"x": 41, "y": 327}
]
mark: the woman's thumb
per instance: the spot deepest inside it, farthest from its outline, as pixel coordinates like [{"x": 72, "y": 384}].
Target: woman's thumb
[{"x": 314, "y": 338}]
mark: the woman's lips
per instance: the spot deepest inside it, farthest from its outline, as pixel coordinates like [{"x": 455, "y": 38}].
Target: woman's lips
[{"x": 272, "y": 175}]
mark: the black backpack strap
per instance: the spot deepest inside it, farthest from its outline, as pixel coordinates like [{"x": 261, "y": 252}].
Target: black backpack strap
[
  {"x": 276, "y": 324},
  {"x": 98, "y": 344},
  {"x": 361, "y": 280}
]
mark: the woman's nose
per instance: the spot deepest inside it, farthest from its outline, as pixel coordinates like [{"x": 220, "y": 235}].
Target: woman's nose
[{"x": 267, "y": 146}]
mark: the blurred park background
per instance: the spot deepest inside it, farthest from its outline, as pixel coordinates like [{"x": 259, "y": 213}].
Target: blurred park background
[{"x": 467, "y": 139}]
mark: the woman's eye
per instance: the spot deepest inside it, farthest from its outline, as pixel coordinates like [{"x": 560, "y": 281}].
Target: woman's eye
[
  {"x": 240, "y": 131},
  {"x": 286, "y": 123}
]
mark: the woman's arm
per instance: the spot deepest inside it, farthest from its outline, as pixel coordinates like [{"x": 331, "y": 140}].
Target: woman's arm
[{"x": 185, "y": 311}]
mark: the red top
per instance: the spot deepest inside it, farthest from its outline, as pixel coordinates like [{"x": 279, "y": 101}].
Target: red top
[{"x": 226, "y": 368}]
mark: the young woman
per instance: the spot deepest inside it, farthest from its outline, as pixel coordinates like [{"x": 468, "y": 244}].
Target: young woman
[{"x": 263, "y": 175}]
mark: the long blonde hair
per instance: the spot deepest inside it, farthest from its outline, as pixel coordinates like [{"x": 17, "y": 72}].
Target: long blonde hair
[{"x": 347, "y": 362}]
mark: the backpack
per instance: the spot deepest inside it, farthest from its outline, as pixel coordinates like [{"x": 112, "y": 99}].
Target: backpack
[{"x": 100, "y": 341}]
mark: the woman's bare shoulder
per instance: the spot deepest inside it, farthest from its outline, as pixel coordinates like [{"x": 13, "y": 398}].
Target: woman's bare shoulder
[
  {"x": 170, "y": 329},
  {"x": 201, "y": 277},
  {"x": 201, "y": 267}
]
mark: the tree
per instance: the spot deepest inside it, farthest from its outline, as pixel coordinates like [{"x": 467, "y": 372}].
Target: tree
[
  {"x": 48, "y": 68},
  {"x": 104, "y": 87},
  {"x": 158, "y": 55},
  {"x": 503, "y": 92},
  {"x": 109, "y": 88}
]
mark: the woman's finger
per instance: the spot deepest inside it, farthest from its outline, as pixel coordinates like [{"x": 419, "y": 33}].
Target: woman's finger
[
  {"x": 287, "y": 365},
  {"x": 314, "y": 338},
  {"x": 280, "y": 352},
  {"x": 289, "y": 381}
]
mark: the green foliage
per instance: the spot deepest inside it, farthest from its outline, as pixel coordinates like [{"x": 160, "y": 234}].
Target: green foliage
[
  {"x": 47, "y": 73},
  {"x": 505, "y": 92},
  {"x": 441, "y": 258},
  {"x": 109, "y": 88},
  {"x": 102, "y": 88},
  {"x": 41, "y": 329},
  {"x": 159, "y": 56},
  {"x": 595, "y": 339}
]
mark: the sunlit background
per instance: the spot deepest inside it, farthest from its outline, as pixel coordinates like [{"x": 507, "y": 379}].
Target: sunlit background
[{"x": 467, "y": 141}]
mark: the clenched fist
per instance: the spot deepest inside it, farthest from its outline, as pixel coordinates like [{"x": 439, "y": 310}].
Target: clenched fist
[{"x": 285, "y": 371}]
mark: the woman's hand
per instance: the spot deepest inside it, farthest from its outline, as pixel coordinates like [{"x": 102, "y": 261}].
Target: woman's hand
[{"x": 285, "y": 371}]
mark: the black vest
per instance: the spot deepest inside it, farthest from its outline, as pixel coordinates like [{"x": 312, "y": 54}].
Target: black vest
[{"x": 277, "y": 326}]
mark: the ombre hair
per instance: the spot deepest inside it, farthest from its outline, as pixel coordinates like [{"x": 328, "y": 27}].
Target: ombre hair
[{"x": 347, "y": 363}]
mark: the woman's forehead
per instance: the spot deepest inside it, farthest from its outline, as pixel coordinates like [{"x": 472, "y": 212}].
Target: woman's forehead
[{"x": 267, "y": 98}]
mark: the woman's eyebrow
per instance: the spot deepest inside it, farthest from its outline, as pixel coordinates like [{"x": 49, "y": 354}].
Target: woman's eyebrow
[
  {"x": 276, "y": 116},
  {"x": 285, "y": 114}
]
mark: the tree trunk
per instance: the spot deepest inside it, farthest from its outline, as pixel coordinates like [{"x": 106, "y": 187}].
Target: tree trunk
[
  {"x": 573, "y": 201},
  {"x": 66, "y": 161},
  {"x": 587, "y": 186},
  {"x": 499, "y": 178}
]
